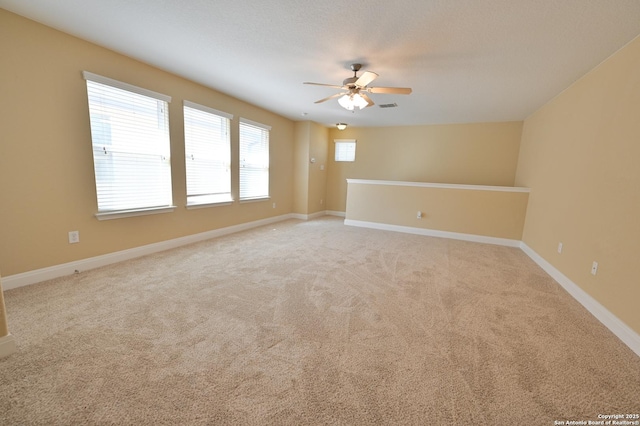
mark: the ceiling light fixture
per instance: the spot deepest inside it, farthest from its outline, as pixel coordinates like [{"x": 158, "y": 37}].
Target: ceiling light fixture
[
  {"x": 351, "y": 101},
  {"x": 341, "y": 126}
]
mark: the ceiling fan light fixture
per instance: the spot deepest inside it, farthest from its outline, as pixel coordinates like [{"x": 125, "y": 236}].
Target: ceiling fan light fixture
[
  {"x": 341, "y": 126},
  {"x": 351, "y": 101},
  {"x": 360, "y": 101},
  {"x": 346, "y": 102}
]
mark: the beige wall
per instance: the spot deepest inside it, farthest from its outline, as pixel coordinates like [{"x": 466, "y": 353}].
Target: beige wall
[
  {"x": 491, "y": 213},
  {"x": 301, "y": 167},
  {"x": 310, "y": 180},
  {"x": 579, "y": 155},
  {"x": 318, "y": 141},
  {"x": 474, "y": 154},
  {"x": 46, "y": 168}
]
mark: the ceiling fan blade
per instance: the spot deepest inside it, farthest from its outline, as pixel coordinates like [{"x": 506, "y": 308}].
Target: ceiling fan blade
[
  {"x": 366, "y": 78},
  {"x": 390, "y": 90},
  {"x": 367, "y": 98},
  {"x": 330, "y": 97},
  {"x": 326, "y": 85}
]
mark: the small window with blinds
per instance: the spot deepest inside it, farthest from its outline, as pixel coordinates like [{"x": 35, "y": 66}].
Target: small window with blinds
[
  {"x": 207, "y": 155},
  {"x": 254, "y": 160},
  {"x": 131, "y": 150},
  {"x": 345, "y": 150}
]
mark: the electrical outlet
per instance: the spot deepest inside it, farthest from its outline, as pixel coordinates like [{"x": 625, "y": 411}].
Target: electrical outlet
[
  {"x": 74, "y": 237},
  {"x": 274, "y": 205},
  {"x": 559, "y": 247},
  {"x": 594, "y": 268},
  {"x": 419, "y": 215}
]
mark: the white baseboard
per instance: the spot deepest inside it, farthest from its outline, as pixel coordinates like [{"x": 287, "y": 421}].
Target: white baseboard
[
  {"x": 308, "y": 216},
  {"x": 299, "y": 216},
  {"x": 613, "y": 323},
  {"x": 434, "y": 233},
  {"x": 7, "y": 346},
  {"x": 335, "y": 213},
  {"x": 317, "y": 215},
  {"x": 39, "y": 275}
]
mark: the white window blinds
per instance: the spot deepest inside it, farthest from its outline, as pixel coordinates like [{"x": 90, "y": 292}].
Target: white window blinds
[
  {"x": 207, "y": 154},
  {"x": 254, "y": 160},
  {"x": 131, "y": 152},
  {"x": 345, "y": 149}
]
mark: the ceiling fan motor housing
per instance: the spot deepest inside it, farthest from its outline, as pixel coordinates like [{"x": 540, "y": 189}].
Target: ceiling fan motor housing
[{"x": 349, "y": 81}]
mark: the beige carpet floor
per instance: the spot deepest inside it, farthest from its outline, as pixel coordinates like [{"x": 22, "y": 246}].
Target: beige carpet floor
[{"x": 312, "y": 323}]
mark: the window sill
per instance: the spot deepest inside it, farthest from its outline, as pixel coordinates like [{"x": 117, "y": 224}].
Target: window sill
[
  {"x": 253, "y": 200},
  {"x": 194, "y": 206},
  {"x": 136, "y": 212}
]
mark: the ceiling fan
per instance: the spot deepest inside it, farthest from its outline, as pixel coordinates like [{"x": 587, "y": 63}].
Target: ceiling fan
[{"x": 355, "y": 90}]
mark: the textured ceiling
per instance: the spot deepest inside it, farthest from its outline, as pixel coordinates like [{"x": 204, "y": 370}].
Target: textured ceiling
[{"x": 466, "y": 60}]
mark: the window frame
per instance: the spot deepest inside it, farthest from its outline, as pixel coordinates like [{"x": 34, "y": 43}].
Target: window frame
[
  {"x": 266, "y": 130},
  {"x": 211, "y": 199},
  {"x": 343, "y": 143},
  {"x": 157, "y": 144}
]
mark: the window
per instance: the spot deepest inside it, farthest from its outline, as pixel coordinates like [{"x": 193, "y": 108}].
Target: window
[
  {"x": 207, "y": 154},
  {"x": 254, "y": 160},
  {"x": 345, "y": 149},
  {"x": 131, "y": 152}
]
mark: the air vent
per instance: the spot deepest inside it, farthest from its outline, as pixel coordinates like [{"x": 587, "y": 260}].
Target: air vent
[{"x": 393, "y": 105}]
